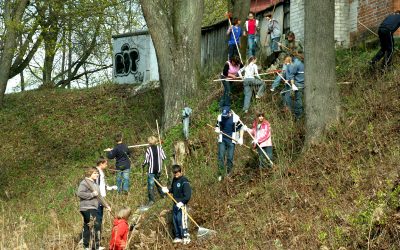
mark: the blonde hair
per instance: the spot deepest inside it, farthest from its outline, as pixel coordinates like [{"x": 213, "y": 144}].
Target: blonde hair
[
  {"x": 152, "y": 140},
  {"x": 124, "y": 213},
  {"x": 89, "y": 171}
]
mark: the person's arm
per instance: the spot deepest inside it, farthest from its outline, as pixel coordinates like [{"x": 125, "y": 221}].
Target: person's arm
[
  {"x": 147, "y": 157},
  {"x": 225, "y": 70},
  {"x": 187, "y": 192},
  {"x": 162, "y": 153},
  {"x": 229, "y": 30},
  {"x": 111, "y": 154},
  {"x": 256, "y": 72}
]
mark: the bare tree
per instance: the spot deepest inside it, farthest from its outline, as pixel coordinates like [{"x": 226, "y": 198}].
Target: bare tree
[
  {"x": 13, "y": 12},
  {"x": 321, "y": 92},
  {"x": 175, "y": 28}
]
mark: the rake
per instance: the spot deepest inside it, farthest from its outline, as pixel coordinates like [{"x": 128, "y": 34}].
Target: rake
[{"x": 202, "y": 231}]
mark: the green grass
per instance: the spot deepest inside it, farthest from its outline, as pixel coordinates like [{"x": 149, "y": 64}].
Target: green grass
[{"x": 329, "y": 195}]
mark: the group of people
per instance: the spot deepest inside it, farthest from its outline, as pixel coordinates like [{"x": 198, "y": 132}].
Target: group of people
[
  {"x": 288, "y": 54},
  {"x": 92, "y": 192}
]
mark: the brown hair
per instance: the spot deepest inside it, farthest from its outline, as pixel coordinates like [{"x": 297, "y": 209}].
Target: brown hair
[
  {"x": 90, "y": 170},
  {"x": 118, "y": 137},
  {"x": 101, "y": 160}
]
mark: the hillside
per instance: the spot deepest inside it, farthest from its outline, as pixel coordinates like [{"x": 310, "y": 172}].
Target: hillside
[{"x": 340, "y": 194}]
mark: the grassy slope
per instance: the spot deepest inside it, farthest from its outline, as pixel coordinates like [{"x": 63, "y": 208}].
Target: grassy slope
[{"x": 336, "y": 194}]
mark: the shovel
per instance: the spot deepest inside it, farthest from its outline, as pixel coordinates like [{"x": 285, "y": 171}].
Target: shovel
[{"x": 202, "y": 231}]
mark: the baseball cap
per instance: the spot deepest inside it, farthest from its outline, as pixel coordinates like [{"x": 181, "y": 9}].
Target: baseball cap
[{"x": 225, "y": 111}]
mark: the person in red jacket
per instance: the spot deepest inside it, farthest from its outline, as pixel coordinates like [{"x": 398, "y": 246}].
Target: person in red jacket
[
  {"x": 262, "y": 135},
  {"x": 119, "y": 232}
]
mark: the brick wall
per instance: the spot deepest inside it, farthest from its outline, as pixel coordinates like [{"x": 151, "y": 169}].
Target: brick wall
[{"x": 372, "y": 12}]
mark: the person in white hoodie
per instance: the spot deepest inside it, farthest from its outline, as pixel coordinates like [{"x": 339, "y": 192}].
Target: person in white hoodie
[{"x": 251, "y": 79}]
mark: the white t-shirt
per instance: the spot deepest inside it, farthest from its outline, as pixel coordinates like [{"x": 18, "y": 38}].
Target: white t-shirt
[{"x": 251, "y": 71}]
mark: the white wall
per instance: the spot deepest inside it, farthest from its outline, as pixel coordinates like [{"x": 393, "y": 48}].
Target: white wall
[{"x": 134, "y": 59}]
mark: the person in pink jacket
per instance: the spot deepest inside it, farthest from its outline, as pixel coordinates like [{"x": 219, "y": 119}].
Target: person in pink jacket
[{"x": 261, "y": 132}]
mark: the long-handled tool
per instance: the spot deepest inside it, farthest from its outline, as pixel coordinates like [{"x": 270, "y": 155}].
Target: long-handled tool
[
  {"x": 139, "y": 145},
  {"x": 234, "y": 36},
  {"x": 159, "y": 139},
  {"x": 229, "y": 137},
  {"x": 294, "y": 87},
  {"x": 252, "y": 137},
  {"x": 202, "y": 231}
]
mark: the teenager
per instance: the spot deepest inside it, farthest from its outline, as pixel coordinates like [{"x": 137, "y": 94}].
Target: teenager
[
  {"x": 274, "y": 32},
  {"x": 251, "y": 79},
  {"x": 251, "y": 32},
  {"x": 88, "y": 192},
  {"x": 182, "y": 192},
  {"x": 234, "y": 32},
  {"x": 123, "y": 164},
  {"x": 385, "y": 32},
  {"x": 154, "y": 160},
  {"x": 295, "y": 77},
  {"x": 230, "y": 71},
  {"x": 261, "y": 131},
  {"x": 228, "y": 124}
]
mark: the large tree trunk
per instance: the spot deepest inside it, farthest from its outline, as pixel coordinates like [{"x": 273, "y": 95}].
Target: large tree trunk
[
  {"x": 175, "y": 28},
  {"x": 12, "y": 20},
  {"x": 321, "y": 92}
]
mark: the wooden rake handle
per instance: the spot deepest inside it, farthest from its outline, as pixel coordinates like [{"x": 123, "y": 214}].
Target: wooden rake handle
[
  {"x": 173, "y": 199},
  {"x": 244, "y": 145}
]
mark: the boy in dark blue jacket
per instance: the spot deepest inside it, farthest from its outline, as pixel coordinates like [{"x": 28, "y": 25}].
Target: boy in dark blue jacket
[
  {"x": 123, "y": 164},
  {"x": 181, "y": 191}
]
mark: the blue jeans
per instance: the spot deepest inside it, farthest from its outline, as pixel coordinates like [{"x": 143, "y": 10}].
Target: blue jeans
[
  {"x": 248, "y": 84},
  {"x": 150, "y": 186},
  {"x": 180, "y": 222},
  {"x": 297, "y": 108},
  {"x": 251, "y": 45},
  {"x": 225, "y": 149},
  {"x": 226, "y": 97},
  {"x": 274, "y": 44},
  {"x": 262, "y": 160},
  {"x": 123, "y": 180},
  {"x": 278, "y": 79},
  {"x": 100, "y": 212}
]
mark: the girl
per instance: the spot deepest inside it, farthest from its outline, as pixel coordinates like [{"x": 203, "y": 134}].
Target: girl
[
  {"x": 251, "y": 78},
  {"x": 230, "y": 71},
  {"x": 119, "y": 232},
  {"x": 262, "y": 135}
]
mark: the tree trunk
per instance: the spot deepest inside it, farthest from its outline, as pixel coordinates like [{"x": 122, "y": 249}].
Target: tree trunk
[
  {"x": 175, "y": 28},
  {"x": 12, "y": 20},
  {"x": 321, "y": 92}
]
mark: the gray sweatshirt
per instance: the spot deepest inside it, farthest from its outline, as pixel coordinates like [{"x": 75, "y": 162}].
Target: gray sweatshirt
[{"x": 87, "y": 200}]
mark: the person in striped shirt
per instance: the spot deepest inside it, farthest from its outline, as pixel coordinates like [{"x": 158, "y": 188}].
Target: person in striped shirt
[{"x": 154, "y": 159}]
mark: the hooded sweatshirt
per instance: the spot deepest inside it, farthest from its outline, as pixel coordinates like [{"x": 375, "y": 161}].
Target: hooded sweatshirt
[{"x": 119, "y": 235}]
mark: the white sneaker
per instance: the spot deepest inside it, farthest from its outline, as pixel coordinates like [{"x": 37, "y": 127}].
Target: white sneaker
[
  {"x": 101, "y": 248},
  {"x": 272, "y": 89},
  {"x": 177, "y": 240},
  {"x": 186, "y": 241},
  {"x": 220, "y": 178}
]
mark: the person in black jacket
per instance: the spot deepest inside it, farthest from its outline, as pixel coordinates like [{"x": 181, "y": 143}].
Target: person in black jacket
[
  {"x": 123, "y": 164},
  {"x": 181, "y": 191},
  {"x": 385, "y": 32}
]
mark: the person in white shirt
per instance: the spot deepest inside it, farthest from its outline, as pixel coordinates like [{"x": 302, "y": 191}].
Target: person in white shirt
[
  {"x": 251, "y": 79},
  {"x": 101, "y": 165}
]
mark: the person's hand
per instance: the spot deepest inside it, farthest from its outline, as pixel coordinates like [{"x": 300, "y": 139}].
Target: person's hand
[
  {"x": 107, "y": 149},
  {"x": 240, "y": 141},
  {"x": 279, "y": 44},
  {"x": 245, "y": 128},
  {"x": 109, "y": 188},
  {"x": 165, "y": 190},
  {"x": 254, "y": 141},
  {"x": 108, "y": 208},
  {"x": 216, "y": 130},
  {"x": 179, "y": 205},
  {"x": 95, "y": 193}
]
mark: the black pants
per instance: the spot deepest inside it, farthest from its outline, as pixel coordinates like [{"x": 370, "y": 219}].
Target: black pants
[
  {"x": 91, "y": 229},
  {"x": 387, "y": 47}
]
